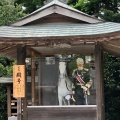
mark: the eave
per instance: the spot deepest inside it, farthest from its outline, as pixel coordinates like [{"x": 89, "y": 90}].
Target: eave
[{"x": 59, "y": 8}]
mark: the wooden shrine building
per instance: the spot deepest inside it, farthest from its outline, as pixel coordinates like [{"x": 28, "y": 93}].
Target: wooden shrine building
[{"x": 57, "y": 28}]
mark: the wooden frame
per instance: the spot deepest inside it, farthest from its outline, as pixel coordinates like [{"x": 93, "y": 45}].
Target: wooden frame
[
  {"x": 33, "y": 76},
  {"x": 9, "y": 100},
  {"x": 100, "y": 83},
  {"x": 21, "y": 55},
  {"x": 56, "y": 8},
  {"x": 102, "y": 42}
]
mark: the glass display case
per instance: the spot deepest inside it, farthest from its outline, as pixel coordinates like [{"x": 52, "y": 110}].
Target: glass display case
[{"x": 55, "y": 83}]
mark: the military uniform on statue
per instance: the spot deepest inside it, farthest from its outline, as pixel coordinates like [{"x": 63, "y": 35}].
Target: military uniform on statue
[{"x": 81, "y": 83}]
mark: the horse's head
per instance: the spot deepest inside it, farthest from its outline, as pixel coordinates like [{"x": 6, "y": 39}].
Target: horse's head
[{"x": 62, "y": 69}]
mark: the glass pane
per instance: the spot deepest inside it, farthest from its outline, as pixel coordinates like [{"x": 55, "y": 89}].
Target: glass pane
[{"x": 63, "y": 80}]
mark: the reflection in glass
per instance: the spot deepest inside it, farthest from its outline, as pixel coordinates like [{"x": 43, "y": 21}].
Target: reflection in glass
[{"x": 50, "y": 75}]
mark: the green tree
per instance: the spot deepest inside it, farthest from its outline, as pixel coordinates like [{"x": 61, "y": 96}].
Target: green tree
[
  {"x": 9, "y": 12},
  {"x": 110, "y": 16},
  {"x": 91, "y": 7},
  {"x": 3, "y": 105},
  {"x": 112, "y": 86},
  {"x": 112, "y": 5},
  {"x": 5, "y": 70},
  {"x": 30, "y": 5},
  {"x": 105, "y": 9}
]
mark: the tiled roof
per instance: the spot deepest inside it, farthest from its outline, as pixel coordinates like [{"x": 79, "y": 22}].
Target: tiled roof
[
  {"x": 57, "y": 2},
  {"x": 59, "y": 29}
]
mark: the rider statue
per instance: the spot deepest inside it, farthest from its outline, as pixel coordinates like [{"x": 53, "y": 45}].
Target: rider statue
[{"x": 81, "y": 83}]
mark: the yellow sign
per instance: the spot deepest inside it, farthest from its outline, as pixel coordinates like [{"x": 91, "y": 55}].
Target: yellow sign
[{"x": 18, "y": 81}]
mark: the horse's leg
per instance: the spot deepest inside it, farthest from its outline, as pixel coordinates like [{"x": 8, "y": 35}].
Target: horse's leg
[
  {"x": 60, "y": 99},
  {"x": 68, "y": 102},
  {"x": 65, "y": 101}
]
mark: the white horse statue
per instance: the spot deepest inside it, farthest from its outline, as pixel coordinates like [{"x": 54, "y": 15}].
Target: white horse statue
[{"x": 64, "y": 85}]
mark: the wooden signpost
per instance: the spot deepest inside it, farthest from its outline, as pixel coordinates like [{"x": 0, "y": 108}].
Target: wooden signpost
[
  {"x": 19, "y": 86},
  {"x": 18, "y": 81}
]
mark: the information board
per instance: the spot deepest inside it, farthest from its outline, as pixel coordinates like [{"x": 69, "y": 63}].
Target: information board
[{"x": 18, "y": 81}]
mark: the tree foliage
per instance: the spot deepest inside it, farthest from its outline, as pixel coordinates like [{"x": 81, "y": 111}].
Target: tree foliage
[
  {"x": 110, "y": 16},
  {"x": 112, "y": 86},
  {"x": 105, "y": 9},
  {"x": 3, "y": 105},
  {"x": 9, "y": 12},
  {"x": 91, "y": 7},
  {"x": 30, "y": 5},
  {"x": 5, "y": 70}
]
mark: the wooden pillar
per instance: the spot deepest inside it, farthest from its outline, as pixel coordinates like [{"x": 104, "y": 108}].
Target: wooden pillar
[
  {"x": 39, "y": 82},
  {"x": 21, "y": 55},
  {"x": 33, "y": 77},
  {"x": 99, "y": 82},
  {"x": 25, "y": 99},
  {"x": 9, "y": 100}
]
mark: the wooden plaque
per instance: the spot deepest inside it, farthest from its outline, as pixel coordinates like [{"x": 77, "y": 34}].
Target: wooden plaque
[{"x": 18, "y": 81}]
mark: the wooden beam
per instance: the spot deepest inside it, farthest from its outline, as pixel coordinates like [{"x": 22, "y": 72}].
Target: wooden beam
[
  {"x": 115, "y": 42},
  {"x": 39, "y": 83},
  {"x": 56, "y": 9},
  {"x": 53, "y": 18},
  {"x": 21, "y": 55},
  {"x": 12, "y": 50},
  {"x": 79, "y": 38},
  {"x": 76, "y": 15},
  {"x": 33, "y": 76},
  {"x": 10, "y": 53},
  {"x": 33, "y": 50},
  {"x": 78, "y": 112},
  {"x": 99, "y": 83},
  {"x": 110, "y": 48},
  {"x": 9, "y": 100},
  {"x": 34, "y": 16},
  {"x": 7, "y": 48}
]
